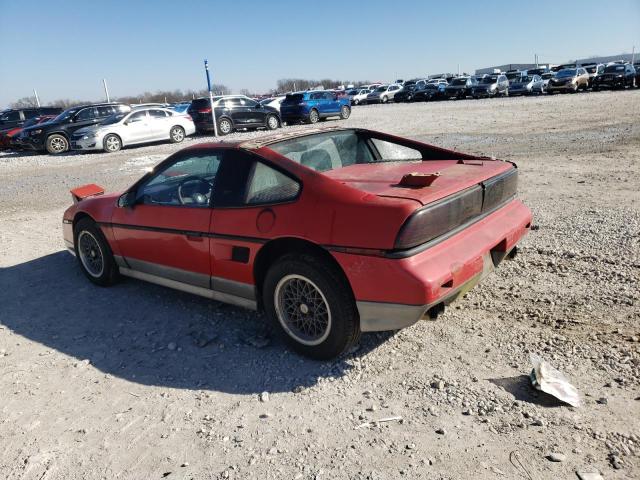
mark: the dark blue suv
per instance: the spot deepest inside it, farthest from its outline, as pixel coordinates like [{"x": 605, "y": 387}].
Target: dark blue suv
[{"x": 314, "y": 105}]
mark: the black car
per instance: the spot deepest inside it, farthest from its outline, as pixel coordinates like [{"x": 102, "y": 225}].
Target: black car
[
  {"x": 16, "y": 117},
  {"x": 54, "y": 136},
  {"x": 429, "y": 91},
  {"x": 637, "y": 67},
  {"x": 406, "y": 94},
  {"x": 233, "y": 112},
  {"x": 493, "y": 85},
  {"x": 460, "y": 87},
  {"x": 616, "y": 75}
]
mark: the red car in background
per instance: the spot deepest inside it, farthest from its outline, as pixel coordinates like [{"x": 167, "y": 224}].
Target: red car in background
[
  {"x": 7, "y": 138},
  {"x": 332, "y": 232}
]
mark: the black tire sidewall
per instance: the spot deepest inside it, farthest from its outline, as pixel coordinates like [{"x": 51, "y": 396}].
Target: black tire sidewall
[
  {"x": 347, "y": 110},
  {"x": 220, "y": 129},
  {"x": 110, "y": 272},
  {"x": 345, "y": 324},
  {"x": 269, "y": 117},
  {"x": 311, "y": 116}
]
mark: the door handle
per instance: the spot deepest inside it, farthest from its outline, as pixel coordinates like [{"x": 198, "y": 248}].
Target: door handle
[{"x": 194, "y": 237}]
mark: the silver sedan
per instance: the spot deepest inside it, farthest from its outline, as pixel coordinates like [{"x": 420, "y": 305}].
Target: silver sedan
[{"x": 143, "y": 125}]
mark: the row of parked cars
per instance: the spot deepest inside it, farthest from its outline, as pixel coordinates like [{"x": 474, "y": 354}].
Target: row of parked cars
[
  {"x": 112, "y": 126},
  {"x": 563, "y": 78}
]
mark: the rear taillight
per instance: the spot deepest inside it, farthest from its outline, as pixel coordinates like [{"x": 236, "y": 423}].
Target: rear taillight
[
  {"x": 187, "y": 116},
  {"x": 204, "y": 110},
  {"x": 439, "y": 218},
  {"x": 445, "y": 215}
]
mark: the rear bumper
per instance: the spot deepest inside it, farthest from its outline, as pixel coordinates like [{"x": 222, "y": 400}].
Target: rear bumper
[{"x": 404, "y": 290}]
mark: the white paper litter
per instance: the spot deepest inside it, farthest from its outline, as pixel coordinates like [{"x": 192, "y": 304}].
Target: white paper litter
[{"x": 549, "y": 380}]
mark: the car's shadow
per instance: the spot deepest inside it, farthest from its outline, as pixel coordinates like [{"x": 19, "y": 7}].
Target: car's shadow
[{"x": 152, "y": 335}]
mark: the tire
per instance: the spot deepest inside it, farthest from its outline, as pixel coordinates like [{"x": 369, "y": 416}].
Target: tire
[
  {"x": 384, "y": 99},
  {"x": 345, "y": 112},
  {"x": 272, "y": 122},
  {"x": 176, "y": 134},
  {"x": 337, "y": 325},
  {"x": 506, "y": 92},
  {"x": 112, "y": 143},
  {"x": 314, "y": 116},
  {"x": 94, "y": 254},
  {"x": 356, "y": 102},
  {"x": 596, "y": 89},
  {"x": 575, "y": 88},
  {"x": 57, "y": 144},
  {"x": 225, "y": 126}
]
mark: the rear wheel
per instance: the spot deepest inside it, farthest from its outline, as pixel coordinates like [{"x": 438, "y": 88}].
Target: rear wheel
[
  {"x": 309, "y": 303},
  {"x": 384, "y": 99},
  {"x": 314, "y": 116},
  {"x": 345, "y": 111},
  {"x": 272, "y": 122},
  {"x": 176, "y": 134},
  {"x": 111, "y": 143},
  {"x": 57, "y": 144},
  {"x": 94, "y": 254},
  {"x": 225, "y": 127}
]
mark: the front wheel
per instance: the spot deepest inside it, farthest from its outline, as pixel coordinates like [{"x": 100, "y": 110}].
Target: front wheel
[
  {"x": 94, "y": 254},
  {"x": 57, "y": 144},
  {"x": 308, "y": 302},
  {"x": 384, "y": 99},
  {"x": 111, "y": 143},
  {"x": 272, "y": 122},
  {"x": 345, "y": 111},
  {"x": 176, "y": 134},
  {"x": 225, "y": 127}
]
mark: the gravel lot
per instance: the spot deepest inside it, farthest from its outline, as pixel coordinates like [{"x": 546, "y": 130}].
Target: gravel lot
[{"x": 138, "y": 381}]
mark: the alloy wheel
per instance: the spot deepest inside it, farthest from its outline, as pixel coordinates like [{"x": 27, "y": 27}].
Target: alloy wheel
[
  {"x": 272, "y": 122},
  {"x": 177, "y": 134},
  {"x": 112, "y": 143},
  {"x": 302, "y": 310},
  {"x": 90, "y": 254},
  {"x": 58, "y": 145},
  {"x": 225, "y": 126}
]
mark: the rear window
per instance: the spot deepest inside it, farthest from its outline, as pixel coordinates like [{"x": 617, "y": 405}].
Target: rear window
[
  {"x": 200, "y": 103},
  {"x": 294, "y": 98},
  {"x": 334, "y": 150}
]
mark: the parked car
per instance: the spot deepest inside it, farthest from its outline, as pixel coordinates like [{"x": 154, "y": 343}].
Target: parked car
[
  {"x": 514, "y": 75},
  {"x": 616, "y": 76},
  {"x": 302, "y": 224},
  {"x": 16, "y": 117},
  {"x": 492, "y": 85},
  {"x": 143, "y": 125},
  {"x": 429, "y": 91},
  {"x": 460, "y": 87},
  {"x": 233, "y": 112},
  {"x": 406, "y": 92},
  {"x": 545, "y": 79},
  {"x": 360, "y": 96},
  {"x": 8, "y": 138},
  {"x": 637, "y": 67},
  {"x": 313, "y": 106},
  {"x": 538, "y": 71},
  {"x": 180, "y": 107},
  {"x": 569, "y": 80},
  {"x": 273, "y": 102},
  {"x": 564, "y": 66},
  {"x": 54, "y": 136},
  {"x": 383, "y": 94},
  {"x": 593, "y": 69},
  {"x": 526, "y": 85}
]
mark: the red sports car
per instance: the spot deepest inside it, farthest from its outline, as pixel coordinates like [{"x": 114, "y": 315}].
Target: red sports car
[{"x": 332, "y": 232}]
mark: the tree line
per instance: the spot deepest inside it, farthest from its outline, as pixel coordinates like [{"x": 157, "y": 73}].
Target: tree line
[{"x": 172, "y": 96}]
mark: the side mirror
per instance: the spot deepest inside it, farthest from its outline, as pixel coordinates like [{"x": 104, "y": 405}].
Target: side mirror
[{"x": 127, "y": 199}]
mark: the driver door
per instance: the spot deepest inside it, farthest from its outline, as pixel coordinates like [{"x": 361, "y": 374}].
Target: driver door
[{"x": 166, "y": 232}]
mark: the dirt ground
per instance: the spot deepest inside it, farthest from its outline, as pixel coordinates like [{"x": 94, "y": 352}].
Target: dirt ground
[{"x": 141, "y": 382}]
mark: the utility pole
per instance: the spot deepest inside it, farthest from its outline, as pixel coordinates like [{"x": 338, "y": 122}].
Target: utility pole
[
  {"x": 106, "y": 89},
  {"x": 458, "y": 69},
  {"x": 213, "y": 110},
  {"x": 35, "y": 94},
  {"x": 633, "y": 54}
]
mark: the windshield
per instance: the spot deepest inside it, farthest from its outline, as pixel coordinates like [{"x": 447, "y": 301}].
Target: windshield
[
  {"x": 591, "y": 69},
  {"x": 459, "y": 81},
  {"x": 65, "y": 115},
  {"x": 526, "y": 79},
  {"x": 335, "y": 150},
  {"x": 568, "y": 72},
  {"x": 381, "y": 89},
  {"x": 115, "y": 118},
  {"x": 614, "y": 68},
  {"x": 489, "y": 80},
  {"x": 548, "y": 75}
]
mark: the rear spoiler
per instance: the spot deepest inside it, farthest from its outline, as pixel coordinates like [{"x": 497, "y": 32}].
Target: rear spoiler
[{"x": 91, "y": 190}]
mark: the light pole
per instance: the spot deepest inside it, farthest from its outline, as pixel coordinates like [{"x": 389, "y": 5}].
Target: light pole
[
  {"x": 213, "y": 110},
  {"x": 106, "y": 90},
  {"x": 35, "y": 94}
]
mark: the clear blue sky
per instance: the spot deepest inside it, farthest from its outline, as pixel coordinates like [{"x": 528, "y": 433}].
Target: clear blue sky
[{"x": 64, "y": 48}]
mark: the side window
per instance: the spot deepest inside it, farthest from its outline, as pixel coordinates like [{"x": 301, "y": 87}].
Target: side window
[
  {"x": 105, "y": 111},
  {"x": 86, "y": 114},
  {"x": 392, "y": 151},
  {"x": 247, "y": 102},
  {"x": 10, "y": 117},
  {"x": 30, "y": 114},
  {"x": 137, "y": 117},
  {"x": 157, "y": 114},
  {"x": 186, "y": 182},
  {"x": 316, "y": 96},
  {"x": 232, "y": 103},
  {"x": 268, "y": 185}
]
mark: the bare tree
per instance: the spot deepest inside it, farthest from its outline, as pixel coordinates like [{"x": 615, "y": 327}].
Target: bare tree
[{"x": 25, "y": 102}]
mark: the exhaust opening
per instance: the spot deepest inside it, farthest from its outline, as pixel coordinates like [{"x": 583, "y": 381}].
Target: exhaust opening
[{"x": 434, "y": 312}]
